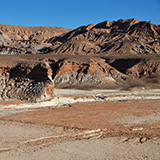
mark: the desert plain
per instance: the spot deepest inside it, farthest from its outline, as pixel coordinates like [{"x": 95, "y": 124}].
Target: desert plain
[{"x": 86, "y": 93}]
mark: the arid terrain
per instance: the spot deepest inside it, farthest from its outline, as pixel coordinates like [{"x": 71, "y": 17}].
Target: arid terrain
[
  {"x": 107, "y": 125},
  {"x": 86, "y": 93},
  {"x": 121, "y": 54}
]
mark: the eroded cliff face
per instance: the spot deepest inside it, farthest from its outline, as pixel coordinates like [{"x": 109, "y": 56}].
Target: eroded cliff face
[
  {"x": 34, "y": 79},
  {"x": 113, "y": 72},
  {"x": 26, "y": 81},
  {"x": 95, "y": 73}
]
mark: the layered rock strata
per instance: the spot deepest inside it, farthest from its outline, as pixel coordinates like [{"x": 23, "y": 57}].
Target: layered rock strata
[
  {"x": 34, "y": 79},
  {"x": 28, "y": 82}
]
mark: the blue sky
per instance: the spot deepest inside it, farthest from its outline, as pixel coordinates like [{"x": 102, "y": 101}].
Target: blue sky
[{"x": 72, "y": 13}]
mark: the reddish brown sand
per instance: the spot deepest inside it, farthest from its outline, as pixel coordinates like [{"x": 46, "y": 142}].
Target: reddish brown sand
[
  {"x": 99, "y": 130},
  {"x": 117, "y": 118}
]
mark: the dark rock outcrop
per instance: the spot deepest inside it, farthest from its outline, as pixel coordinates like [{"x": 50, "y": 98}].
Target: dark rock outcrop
[{"x": 26, "y": 81}]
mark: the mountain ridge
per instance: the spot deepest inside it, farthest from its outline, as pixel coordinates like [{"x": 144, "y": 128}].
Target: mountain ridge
[
  {"x": 123, "y": 54},
  {"x": 118, "y": 37}
]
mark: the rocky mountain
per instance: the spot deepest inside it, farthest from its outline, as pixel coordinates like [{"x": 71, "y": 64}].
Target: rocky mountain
[
  {"x": 27, "y": 40},
  {"x": 123, "y": 54},
  {"x": 107, "y": 38},
  {"x": 120, "y": 37}
]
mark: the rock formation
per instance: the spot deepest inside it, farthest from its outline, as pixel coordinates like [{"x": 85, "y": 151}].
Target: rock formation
[
  {"x": 27, "y": 40},
  {"x": 34, "y": 78},
  {"x": 120, "y": 54},
  {"x": 30, "y": 81},
  {"x": 118, "y": 37}
]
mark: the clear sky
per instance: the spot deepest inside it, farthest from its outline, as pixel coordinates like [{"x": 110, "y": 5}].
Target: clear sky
[{"x": 75, "y": 13}]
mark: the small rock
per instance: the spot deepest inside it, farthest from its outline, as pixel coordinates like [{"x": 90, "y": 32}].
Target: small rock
[
  {"x": 143, "y": 139},
  {"x": 125, "y": 140},
  {"x": 67, "y": 105},
  {"x": 137, "y": 129}
]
